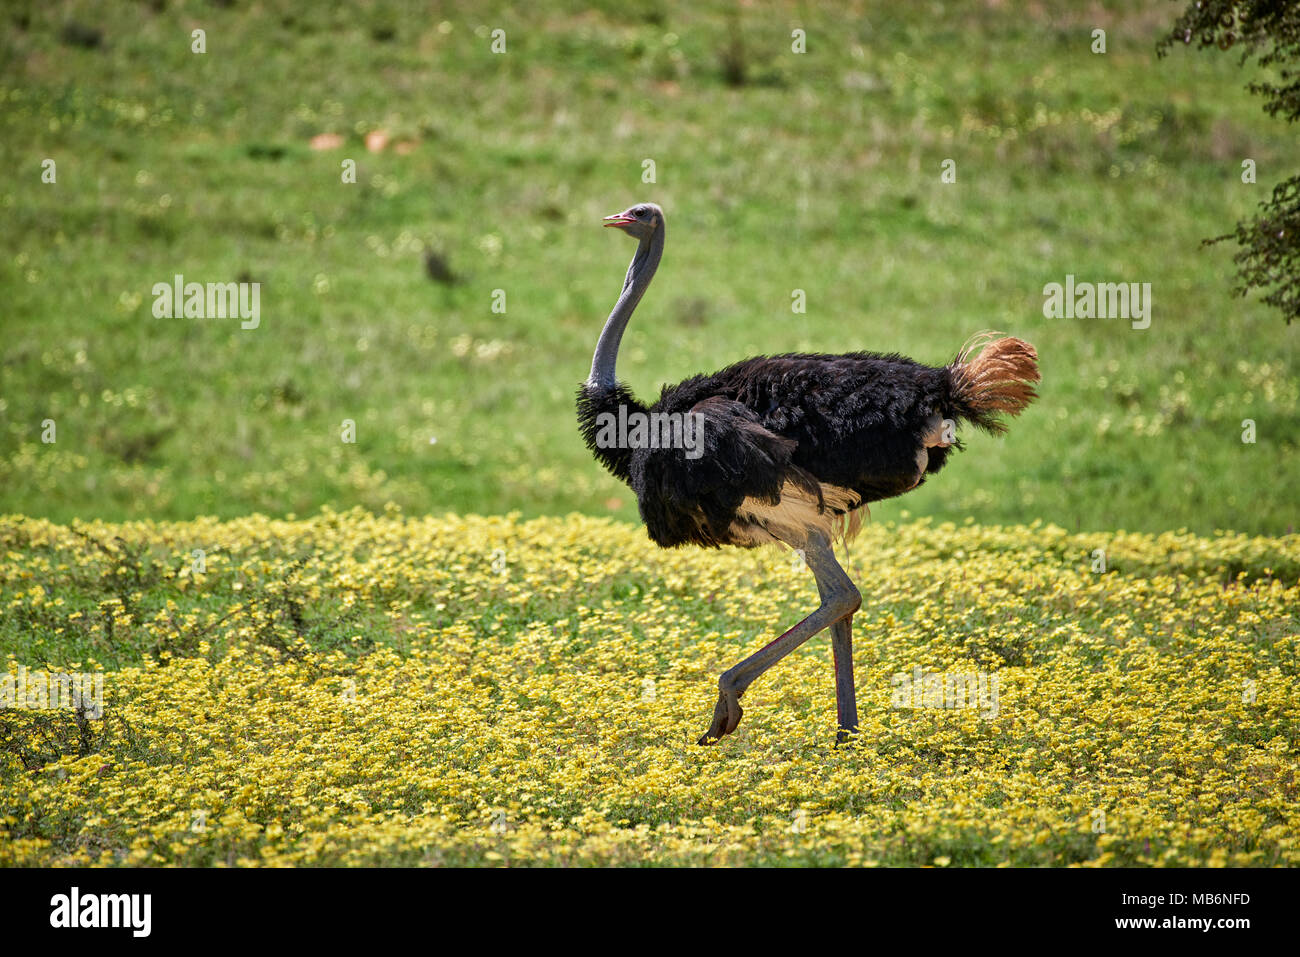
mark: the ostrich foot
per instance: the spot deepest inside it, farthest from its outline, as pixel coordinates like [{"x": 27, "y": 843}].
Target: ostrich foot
[{"x": 726, "y": 715}]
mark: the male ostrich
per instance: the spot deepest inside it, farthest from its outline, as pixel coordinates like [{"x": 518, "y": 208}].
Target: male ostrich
[{"x": 791, "y": 446}]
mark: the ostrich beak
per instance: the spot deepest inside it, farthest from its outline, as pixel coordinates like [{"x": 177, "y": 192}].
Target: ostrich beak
[{"x": 619, "y": 219}]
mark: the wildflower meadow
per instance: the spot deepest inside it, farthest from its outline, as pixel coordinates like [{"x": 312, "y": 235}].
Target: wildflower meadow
[{"x": 378, "y": 689}]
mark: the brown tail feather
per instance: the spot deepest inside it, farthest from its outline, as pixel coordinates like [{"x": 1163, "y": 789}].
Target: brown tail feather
[{"x": 998, "y": 381}]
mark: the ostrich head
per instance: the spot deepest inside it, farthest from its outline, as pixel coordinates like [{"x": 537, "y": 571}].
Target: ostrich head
[
  {"x": 644, "y": 222},
  {"x": 639, "y": 221}
]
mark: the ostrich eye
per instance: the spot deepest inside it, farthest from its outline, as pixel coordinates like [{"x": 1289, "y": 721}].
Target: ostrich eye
[{"x": 639, "y": 211}]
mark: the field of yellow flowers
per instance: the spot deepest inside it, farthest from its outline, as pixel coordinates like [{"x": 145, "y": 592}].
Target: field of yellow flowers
[{"x": 356, "y": 688}]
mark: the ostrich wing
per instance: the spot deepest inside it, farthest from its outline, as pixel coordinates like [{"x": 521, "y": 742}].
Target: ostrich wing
[{"x": 736, "y": 485}]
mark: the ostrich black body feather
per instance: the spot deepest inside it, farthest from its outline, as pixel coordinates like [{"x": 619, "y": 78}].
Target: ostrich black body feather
[{"x": 854, "y": 421}]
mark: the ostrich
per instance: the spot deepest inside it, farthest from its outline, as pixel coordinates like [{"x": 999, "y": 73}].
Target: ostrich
[{"x": 786, "y": 449}]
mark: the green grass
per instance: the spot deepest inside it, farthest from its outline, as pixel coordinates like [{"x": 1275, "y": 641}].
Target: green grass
[{"x": 820, "y": 172}]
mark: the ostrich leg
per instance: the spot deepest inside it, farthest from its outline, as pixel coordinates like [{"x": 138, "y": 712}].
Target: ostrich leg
[
  {"x": 839, "y": 600},
  {"x": 846, "y": 696}
]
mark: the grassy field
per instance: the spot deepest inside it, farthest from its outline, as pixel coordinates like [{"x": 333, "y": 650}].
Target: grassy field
[
  {"x": 447, "y": 642},
  {"x": 355, "y": 689},
  {"x": 779, "y": 171}
]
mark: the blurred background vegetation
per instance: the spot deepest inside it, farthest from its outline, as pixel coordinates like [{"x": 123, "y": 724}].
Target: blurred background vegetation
[{"x": 481, "y": 171}]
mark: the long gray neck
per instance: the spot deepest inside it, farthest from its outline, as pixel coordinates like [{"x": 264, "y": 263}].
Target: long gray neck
[{"x": 639, "y": 274}]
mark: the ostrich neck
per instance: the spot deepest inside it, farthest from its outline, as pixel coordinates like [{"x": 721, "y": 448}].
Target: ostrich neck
[{"x": 639, "y": 274}]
